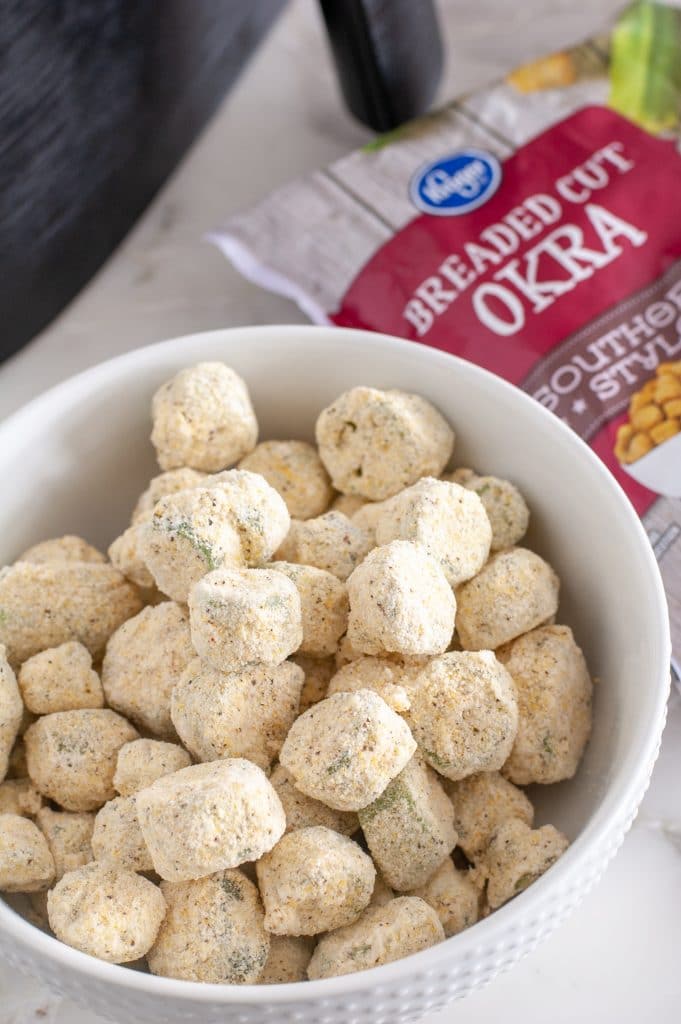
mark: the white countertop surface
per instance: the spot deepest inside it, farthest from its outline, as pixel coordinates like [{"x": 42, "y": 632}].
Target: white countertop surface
[{"x": 617, "y": 959}]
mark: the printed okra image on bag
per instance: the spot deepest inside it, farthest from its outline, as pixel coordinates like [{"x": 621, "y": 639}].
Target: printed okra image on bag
[{"x": 534, "y": 228}]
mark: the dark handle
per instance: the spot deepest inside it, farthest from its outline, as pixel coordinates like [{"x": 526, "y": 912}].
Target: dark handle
[{"x": 388, "y": 55}]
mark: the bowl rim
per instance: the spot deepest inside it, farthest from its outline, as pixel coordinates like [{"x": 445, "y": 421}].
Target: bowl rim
[{"x": 614, "y": 812}]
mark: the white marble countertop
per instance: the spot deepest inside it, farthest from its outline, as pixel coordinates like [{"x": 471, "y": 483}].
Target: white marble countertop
[{"x": 617, "y": 958}]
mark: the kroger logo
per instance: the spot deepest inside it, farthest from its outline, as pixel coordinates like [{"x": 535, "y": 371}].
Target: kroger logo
[{"x": 456, "y": 184}]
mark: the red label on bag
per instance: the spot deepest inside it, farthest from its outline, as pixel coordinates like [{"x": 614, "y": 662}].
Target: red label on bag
[{"x": 565, "y": 281}]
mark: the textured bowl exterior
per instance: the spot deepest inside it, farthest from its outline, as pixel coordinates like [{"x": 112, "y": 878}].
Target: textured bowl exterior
[{"x": 427, "y": 982}]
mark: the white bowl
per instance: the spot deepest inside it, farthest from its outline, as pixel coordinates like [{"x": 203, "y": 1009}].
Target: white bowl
[
  {"x": 660, "y": 469},
  {"x": 75, "y": 459}
]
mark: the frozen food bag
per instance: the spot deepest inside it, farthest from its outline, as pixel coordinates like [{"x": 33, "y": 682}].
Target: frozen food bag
[{"x": 534, "y": 228}]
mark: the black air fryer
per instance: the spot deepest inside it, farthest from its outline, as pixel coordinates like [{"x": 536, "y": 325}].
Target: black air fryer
[{"x": 99, "y": 99}]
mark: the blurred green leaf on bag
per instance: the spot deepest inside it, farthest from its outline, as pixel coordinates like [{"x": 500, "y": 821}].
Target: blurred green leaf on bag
[{"x": 645, "y": 66}]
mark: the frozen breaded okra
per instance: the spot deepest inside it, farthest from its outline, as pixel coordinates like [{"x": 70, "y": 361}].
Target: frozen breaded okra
[
  {"x": 374, "y": 443},
  {"x": 257, "y": 511},
  {"x": 295, "y": 470},
  {"x": 404, "y": 926},
  {"x": 464, "y": 713},
  {"x": 386, "y": 678},
  {"x": 346, "y": 749},
  {"x": 245, "y": 617},
  {"x": 209, "y": 817},
  {"x": 505, "y": 506},
  {"x": 554, "y": 700},
  {"x": 288, "y": 959},
  {"x": 144, "y": 660},
  {"x": 482, "y": 802},
  {"x": 454, "y": 897},
  {"x": 69, "y": 837},
  {"x": 108, "y": 912},
  {"x": 189, "y": 534},
  {"x": 159, "y": 486},
  {"x": 141, "y": 762},
  {"x": 26, "y": 864},
  {"x": 318, "y": 672},
  {"x": 409, "y": 828},
  {"x": 331, "y": 542},
  {"x": 314, "y": 880},
  {"x": 323, "y": 605},
  {"x": 302, "y": 811},
  {"x": 11, "y": 711},
  {"x": 60, "y": 679},
  {"x": 515, "y": 592},
  {"x": 400, "y": 603},
  {"x": 117, "y": 837},
  {"x": 241, "y": 714},
  {"x": 71, "y": 756},
  {"x": 19, "y": 796},
  {"x": 212, "y": 931},
  {"x": 45, "y": 605},
  {"x": 447, "y": 520},
  {"x": 517, "y": 856},
  {"x": 68, "y": 548},
  {"x": 203, "y": 418}
]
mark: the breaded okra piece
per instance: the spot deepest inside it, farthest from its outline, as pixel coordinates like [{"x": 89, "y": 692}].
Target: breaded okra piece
[
  {"x": 117, "y": 837},
  {"x": 374, "y": 443},
  {"x": 126, "y": 555},
  {"x": 45, "y": 605},
  {"x": 17, "y": 759},
  {"x": 107, "y": 912},
  {"x": 256, "y": 510},
  {"x": 554, "y": 700},
  {"x": 11, "y": 711},
  {"x": 243, "y": 714},
  {"x": 189, "y": 534},
  {"x": 144, "y": 660},
  {"x": 404, "y": 926},
  {"x": 400, "y": 602},
  {"x": 447, "y": 520},
  {"x": 19, "y": 796},
  {"x": 141, "y": 762},
  {"x": 69, "y": 837},
  {"x": 159, "y": 486},
  {"x": 409, "y": 828},
  {"x": 348, "y": 504},
  {"x": 314, "y": 880},
  {"x": 346, "y": 749},
  {"x": 323, "y": 604},
  {"x": 302, "y": 811},
  {"x": 60, "y": 679},
  {"x": 212, "y": 932},
  {"x": 203, "y": 418},
  {"x": 515, "y": 592},
  {"x": 288, "y": 959},
  {"x": 505, "y": 506},
  {"x": 62, "y": 549},
  {"x": 209, "y": 817},
  {"x": 318, "y": 672},
  {"x": 331, "y": 542},
  {"x": 367, "y": 518},
  {"x": 517, "y": 856},
  {"x": 386, "y": 678},
  {"x": 382, "y": 893},
  {"x": 481, "y": 804},
  {"x": 464, "y": 713},
  {"x": 295, "y": 470},
  {"x": 71, "y": 756},
  {"x": 245, "y": 617},
  {"x": 453, "y": 896},
  {"x": 26, "y": 864}
]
